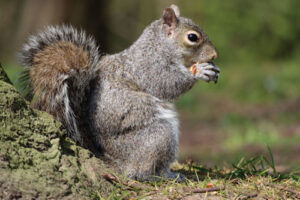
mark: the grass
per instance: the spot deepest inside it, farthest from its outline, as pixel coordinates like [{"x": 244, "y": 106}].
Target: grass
[
  {"x": 248, "y": 178},
  {"x": 254, "y": 136}
]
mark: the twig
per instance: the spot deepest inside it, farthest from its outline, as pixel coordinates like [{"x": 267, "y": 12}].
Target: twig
[
  {"x": 130, "y": 184},
  {"x": 285, "y": 189},
  {"x": 204, "y": 190},
  {"x": 248, "y": 196},
  {"x": 110, "y": 178}
]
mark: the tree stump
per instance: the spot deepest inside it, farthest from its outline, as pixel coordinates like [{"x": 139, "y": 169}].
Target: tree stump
[{"x": 37, "y": 159}]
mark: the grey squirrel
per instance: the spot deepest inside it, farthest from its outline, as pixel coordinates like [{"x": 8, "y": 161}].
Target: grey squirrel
[{"x": 120, "y": 106}]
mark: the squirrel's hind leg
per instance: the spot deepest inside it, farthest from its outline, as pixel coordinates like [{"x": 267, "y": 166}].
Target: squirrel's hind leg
[{"x": 147, "y": 153}]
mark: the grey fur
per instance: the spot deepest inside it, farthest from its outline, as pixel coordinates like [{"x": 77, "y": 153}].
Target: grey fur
[
  {"x": 68, "y": 93},
  {"x": 53, "y": 34},
  {"x": 132, "y": 120}
]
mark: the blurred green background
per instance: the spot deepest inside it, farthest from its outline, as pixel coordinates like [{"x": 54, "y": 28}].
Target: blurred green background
[{"x": 257, "y": 100}]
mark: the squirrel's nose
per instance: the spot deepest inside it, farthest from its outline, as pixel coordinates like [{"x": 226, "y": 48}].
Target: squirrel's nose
[
  {"x": 214, "y": 55},
  {"x": 208, "y": 53}
]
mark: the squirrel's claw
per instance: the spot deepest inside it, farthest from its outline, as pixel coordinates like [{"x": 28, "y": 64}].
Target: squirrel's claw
[{"x": 205, "y": 71}]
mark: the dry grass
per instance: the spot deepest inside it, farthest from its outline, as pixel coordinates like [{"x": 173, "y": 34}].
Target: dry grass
[{"x": 253, "y": 178}]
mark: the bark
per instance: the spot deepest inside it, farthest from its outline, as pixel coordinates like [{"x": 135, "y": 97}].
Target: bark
[{"x": 37, "y": 159}]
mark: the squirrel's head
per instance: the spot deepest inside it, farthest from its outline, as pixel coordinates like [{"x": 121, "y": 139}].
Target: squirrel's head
[
  {"x": 191, "y": 41},
  {"x": 167, "y": 47}
]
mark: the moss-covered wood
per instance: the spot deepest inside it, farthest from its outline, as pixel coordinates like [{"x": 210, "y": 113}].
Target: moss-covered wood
[{"x": 37, "y": 160}]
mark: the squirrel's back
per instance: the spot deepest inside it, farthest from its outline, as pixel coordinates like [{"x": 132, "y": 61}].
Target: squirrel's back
[{"x": 60, "y": 64}]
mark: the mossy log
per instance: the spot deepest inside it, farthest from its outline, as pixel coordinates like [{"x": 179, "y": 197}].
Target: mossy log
[{"x": 37, "y": 159}]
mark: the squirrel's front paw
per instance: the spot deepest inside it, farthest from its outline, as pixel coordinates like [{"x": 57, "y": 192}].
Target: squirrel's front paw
[{"x": 205, "y": 71}]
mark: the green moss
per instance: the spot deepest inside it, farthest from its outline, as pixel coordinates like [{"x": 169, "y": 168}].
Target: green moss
[{"x": 37, "y": 160}]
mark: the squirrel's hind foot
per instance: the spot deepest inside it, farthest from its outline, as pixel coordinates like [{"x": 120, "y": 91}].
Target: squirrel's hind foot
[{"x": 168, "y": 176}]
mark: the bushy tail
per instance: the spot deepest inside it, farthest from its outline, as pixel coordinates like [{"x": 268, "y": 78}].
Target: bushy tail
[{"x": 60, "y": 63}]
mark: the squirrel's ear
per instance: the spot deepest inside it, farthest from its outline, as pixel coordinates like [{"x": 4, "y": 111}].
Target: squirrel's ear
[
  {"x": 170, "y": 19},
  {"x": 176, "y": 10}
]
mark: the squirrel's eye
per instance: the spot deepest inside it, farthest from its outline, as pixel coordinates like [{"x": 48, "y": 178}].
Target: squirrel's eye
[{"x": 193, "y": 37}]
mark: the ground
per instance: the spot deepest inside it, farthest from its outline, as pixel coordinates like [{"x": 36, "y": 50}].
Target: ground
[{"x": 242, "y": 181}]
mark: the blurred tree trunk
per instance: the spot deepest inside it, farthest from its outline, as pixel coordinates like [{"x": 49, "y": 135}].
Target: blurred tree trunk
[
  {"x": 95, "y": 21},
  {"x": 28, "y": 16},
  {"x": 115, "y": 24},
  {"x": 35, "y": 14}
]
